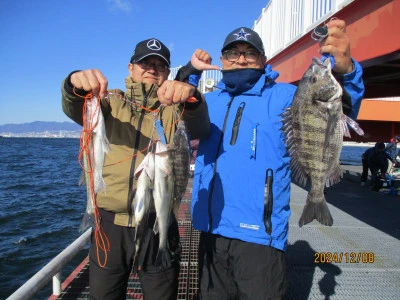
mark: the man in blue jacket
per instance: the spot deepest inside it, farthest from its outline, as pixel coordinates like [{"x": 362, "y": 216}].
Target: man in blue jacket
[{"x": 238, "y": 257}]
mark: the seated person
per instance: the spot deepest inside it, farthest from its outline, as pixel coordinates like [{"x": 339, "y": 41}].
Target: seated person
[{"x": 375, "y": 159}]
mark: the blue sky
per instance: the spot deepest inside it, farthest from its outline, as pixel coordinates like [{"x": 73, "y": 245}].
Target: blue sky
[{"x": 42, "y": 41}]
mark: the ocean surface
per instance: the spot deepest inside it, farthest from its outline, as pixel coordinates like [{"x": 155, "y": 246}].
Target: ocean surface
[{"x": 42, "y": 205}]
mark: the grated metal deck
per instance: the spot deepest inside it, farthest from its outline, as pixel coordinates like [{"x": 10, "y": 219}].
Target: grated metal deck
[
  {"x": 366, "y": 223},
  {"x": 76, "y": 286}
]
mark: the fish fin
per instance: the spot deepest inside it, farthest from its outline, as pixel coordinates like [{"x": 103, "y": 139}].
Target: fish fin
[
  {"x": 299, "y": 176},
  {"x": 107, "y": 145},
  {"x": 86, "y": 222},
  {"x": 82, "y": 179},
  {"x": 334, "y": 177},
  {"x": 163, "y": 258},
  {"x": 101, "y": 187},
  {"x": 140, "y": 231},
  {"x": 346, "y": 131},
  {"x": 353, "y": 124},
  {"x": 318, "y": 211}
]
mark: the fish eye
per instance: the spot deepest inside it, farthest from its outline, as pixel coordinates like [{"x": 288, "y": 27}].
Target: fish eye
[{"x": 313, "y": 79}]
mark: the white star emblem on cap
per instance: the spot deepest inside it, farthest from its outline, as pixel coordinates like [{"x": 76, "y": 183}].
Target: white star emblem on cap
[
  {"x": 242, "y": 35},
  {"x": 154, "y": 45}
]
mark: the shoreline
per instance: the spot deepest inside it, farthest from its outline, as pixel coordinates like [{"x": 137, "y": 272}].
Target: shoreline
[{"x": 358, "y": 144}]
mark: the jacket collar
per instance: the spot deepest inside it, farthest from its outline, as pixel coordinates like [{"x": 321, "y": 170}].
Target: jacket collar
[
  {"x": 138, "y": 92},
  {"x": 266, "y": 79}
]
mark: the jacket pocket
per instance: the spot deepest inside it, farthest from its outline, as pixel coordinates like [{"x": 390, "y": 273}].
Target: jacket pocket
[{"x": 268, "y": 200}]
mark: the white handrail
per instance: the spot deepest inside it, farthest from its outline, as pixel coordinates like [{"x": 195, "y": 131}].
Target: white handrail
[
  {"x": 283, "y": 22},
  {"x": 52, "y": 269}
]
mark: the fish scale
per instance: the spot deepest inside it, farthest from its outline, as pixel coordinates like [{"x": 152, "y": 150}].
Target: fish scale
[
  {"x": 314, "y": 127},
  {"x": 181, "y": 164},
  {"x": 162, "y": 180}
]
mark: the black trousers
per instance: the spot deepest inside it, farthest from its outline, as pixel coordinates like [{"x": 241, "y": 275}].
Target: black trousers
[
  {"x": 233, "y": 269},
  {"x": 374, "y": 170},
  {"x": 364, "y": 175},
  {"x": 110, "y": 282}
]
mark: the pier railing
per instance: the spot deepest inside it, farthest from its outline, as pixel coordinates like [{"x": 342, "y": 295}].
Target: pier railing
[
  {"x": 52, "y": 270},
  {"x": 283, "y": 22}
]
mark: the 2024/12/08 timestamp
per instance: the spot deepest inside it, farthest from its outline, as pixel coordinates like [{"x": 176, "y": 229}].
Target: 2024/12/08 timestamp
[{"x": 345, "y": 257}]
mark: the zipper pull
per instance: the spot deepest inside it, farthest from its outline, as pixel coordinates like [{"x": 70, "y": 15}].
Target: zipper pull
[{"x": 236, "y": 123}]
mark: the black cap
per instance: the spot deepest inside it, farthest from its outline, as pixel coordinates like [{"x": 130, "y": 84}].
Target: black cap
[
  {"x": 246, "y": 35},
  {"x": 150, "y": 47}
]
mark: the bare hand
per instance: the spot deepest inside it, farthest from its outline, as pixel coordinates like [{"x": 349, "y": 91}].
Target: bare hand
[
  {"x": 201, "y": 60},
  {"x": 338, "y": 45},
  {"x": 173, "y": 92},
  {"x": 91, "y": 81}
]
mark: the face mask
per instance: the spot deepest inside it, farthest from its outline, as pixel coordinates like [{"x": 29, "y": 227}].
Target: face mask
[{"x": 238, "y": 81}]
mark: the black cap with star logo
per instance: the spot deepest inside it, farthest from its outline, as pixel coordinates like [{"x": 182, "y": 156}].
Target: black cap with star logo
[
  {"x": 244, "y": 35},
  {"x": 150, "y": 47}
]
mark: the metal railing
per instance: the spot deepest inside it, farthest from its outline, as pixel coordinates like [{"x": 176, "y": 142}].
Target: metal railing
[
  {"x": 215, "y": 75},
  {"x": 282, "y": 22},
  {"x": 52, "y": 270}
]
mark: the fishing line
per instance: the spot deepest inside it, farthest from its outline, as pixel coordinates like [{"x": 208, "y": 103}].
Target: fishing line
[{"x": 101, "y": 240}]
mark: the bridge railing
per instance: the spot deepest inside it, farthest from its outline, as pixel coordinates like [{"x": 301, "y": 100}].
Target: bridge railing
[
  {"x": 52, "y": 270},
  {"x": 204, "y": 86},
  {"x": 282, "y": 22}
]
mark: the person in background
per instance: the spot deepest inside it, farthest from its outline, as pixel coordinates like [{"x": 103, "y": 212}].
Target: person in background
[
  {"x": 391, "y": 148},
  {"x": 375, "y": 159},
  {"x": 129, "y": 122},
  {"x": 239, "y": 256}
]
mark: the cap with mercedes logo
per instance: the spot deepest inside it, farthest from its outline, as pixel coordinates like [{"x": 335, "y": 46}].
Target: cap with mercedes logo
[
  {"x": 150, "y": 47},
  {"x": 246, "y": 35}
]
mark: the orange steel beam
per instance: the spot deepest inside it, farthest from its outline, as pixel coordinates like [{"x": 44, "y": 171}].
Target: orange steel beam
[
  {"x": 372, "y": 26},
  {"x": 375, "y": 110}
]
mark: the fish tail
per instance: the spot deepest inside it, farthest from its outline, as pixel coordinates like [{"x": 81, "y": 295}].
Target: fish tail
[
  {"x": 163, "y": 258},
  {"x": 86, "y": 222},
  {"x": 318, "y": 211}
]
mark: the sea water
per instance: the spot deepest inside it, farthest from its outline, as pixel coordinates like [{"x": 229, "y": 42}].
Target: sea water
[{"x": 42, "y": 205}]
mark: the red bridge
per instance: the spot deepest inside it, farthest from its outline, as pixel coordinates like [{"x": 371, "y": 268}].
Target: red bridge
[{"x": 374, "y": 31}]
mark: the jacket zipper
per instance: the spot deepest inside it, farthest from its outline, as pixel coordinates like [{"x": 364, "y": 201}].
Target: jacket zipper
[
  {"x": 215, "y": 165},
  {"x": 268, "y": 201},
  {"x": 236, "y": 123},
  {"x": 131, "y": 193}
]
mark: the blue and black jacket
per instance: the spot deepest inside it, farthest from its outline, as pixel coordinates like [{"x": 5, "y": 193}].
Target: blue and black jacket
[{"x": 241, "y": 186}]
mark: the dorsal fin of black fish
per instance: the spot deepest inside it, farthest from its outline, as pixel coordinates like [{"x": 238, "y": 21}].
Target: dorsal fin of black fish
[{"x": 299, "y": 177}]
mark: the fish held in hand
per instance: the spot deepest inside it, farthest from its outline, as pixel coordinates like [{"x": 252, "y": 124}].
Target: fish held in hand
[
  {"x": 88, "y": 217},
  {"x": 142, "y": 201},
  {"x": 101, "y": 145},
  {"x": 314, "y": 127},
  {"x": 180, "y": 164},
  {"x": 96, "y": 146},
  {"x": 163, "y": 197}
]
